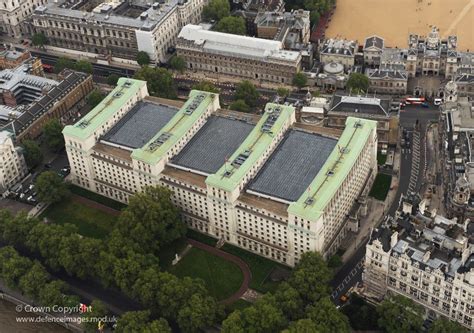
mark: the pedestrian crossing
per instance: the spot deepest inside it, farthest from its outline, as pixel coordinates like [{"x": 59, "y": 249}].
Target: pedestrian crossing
[
  {"x": 415, "y": 164},
  {"x": 338, "y": 291}
]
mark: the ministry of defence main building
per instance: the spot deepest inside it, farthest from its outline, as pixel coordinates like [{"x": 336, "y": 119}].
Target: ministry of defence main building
[{"x": 261, "y": 183}]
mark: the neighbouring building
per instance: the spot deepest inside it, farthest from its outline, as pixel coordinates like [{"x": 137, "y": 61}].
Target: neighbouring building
[
  {"x": 339, "y": 51},
  {"x": 388, "y": 80},
  {"x": 117, "y": 28},
  {"x": 427, "y": 259},
  {"x": 13, "y": 58},
  {"x": 373, "y": 48},
  {"x": 17, "y": 86},
  {"x": 331, "y": 76},
  {"x": 294, "y": 26},
  {"x": 63, "y": 101},
  {"x": 381, "y": 110},
  {"x": 244, "y": 57},
  {"x": 249, "y": 9},
  {"x": 228, "y": 171},
  {"x": 13, "y": 14},
  {"x": 12, "y": 163}
]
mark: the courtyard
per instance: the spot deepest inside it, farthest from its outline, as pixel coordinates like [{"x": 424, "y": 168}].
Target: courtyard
[{"x": 394, "y": 20}]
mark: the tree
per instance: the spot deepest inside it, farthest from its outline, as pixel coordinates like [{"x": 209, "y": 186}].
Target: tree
[
  {"x": 143, "y": 58},
  {"x": 63, "y": 63},
  {"x": 239, "y": 105},
  {"x": 34, "y": 280},
  {"x": 311, "y": 277},
  {"x": 289, "y": 301},
  {"x": 52, "y": 293},
  {"x": 206, "y": 86},
  {"x": 283, "y": 92},
  {"x": 197, "y": 314},
  {"x": 264, "y": 316},
  {"x": 327, "y": 318},
  {"x": 151, "y": 219},
  {"x": 160, "y": 82},
  {"x": 39, "y": 39},
  {"x": 232, "y": 25},
  {"x": 112, "y": 79},
  {"x": 246, "y": 90},
  {"x": 52, "y": 130},
  {"x": 50, "y": 187},
  {"x": 94, "y": 98},
  {"x": 98, "y": 310},
  {"x": 216, "y": 10},
  {"x": 32, "y": 153},
  {"x": 443, "y": 325},
  {"x": 362, "y": 316},
  {"x": 157, "y": 326},
  {"x": 358, "y": 83},
  {"x": 300, "y": 80},
  {"x": 302, "y": 326},
  {"x": 335, "y": 261},
  {"x": 133, "y": 321},
  {"x": 400, "y": 314},
  {"x": 177, "y": 63},
  {"x": 84, "y": 66},
  {"x": 12, "y": 266}
]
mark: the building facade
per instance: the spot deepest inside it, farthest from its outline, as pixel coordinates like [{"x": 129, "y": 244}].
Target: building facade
[
  {"x": 373, "y": 47},
  {"x": 228, "y": 174},
  {"x": 14, "y": 13},
  {"x": 429, "y": 260},
  {"x": 338, "y": 51},
  {"x": 117, "y": 29},
  {"x": 387, "y": 80},
  {"x": 238, "y": 56},
  {"x": 12, "y": 163}
]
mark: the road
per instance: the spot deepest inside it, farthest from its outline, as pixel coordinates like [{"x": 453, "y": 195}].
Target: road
[{"x": 412, "y": 170}]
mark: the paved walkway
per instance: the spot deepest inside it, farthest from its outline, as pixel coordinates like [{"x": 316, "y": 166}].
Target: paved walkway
[
  {"x": 229, "y": 257},
  {"x": 95, "y": 205}
]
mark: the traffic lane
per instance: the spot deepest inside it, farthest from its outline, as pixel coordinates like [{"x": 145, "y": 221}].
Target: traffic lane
[{"x": 411, "y": 113}]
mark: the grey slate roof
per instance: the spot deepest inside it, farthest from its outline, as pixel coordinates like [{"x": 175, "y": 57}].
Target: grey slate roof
[
  {"x": 217, "y": 140},
  {"x": 359, "y": 104},
  {"x": 293, "y": 165},
  {"x": 374, "y": 41},
  {"x": 140, "y": 124}
]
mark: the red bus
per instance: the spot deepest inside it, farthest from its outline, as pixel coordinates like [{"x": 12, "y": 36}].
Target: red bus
[
  {"x": 414, "y": 100},
  {"x": 48, "y": 68}
]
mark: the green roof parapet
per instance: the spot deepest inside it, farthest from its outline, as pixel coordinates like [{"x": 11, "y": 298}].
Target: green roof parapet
[
  {"x": 176, "y": 128},
  {"x": 230, "y": 175},
  {"x": 322, "y": 189},
  {"x": 87, "y": 125}
]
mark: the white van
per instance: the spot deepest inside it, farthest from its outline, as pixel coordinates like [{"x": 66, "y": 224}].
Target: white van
[{"x": 437, "y": 101}]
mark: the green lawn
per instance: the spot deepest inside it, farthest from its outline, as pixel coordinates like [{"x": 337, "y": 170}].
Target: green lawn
[
  {"x": 96, "y": 197},
  {"x": 200, "y": 237},
  {"x": 381, "y": 186},
  {"x": 381, "y": 158},
  {"x": 167, "y": 253},
  {"x": 259, "y": 266},
  {"x": 221, "y": 277},
  {"x": 91, "y": 222}
]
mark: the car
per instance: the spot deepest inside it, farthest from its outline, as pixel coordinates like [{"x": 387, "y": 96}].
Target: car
[
  {"x": 402, "y": 142},
  {"x": 31, "y": 187},
  {"x": 425, "y": 105},
  {"x": 437, "y": 101},
  {"x": 344, "y": 298},
  {"x": 22, "y": 196},
  {"x": 32, "y": 200},
  {"x": 47, "y": 166}
]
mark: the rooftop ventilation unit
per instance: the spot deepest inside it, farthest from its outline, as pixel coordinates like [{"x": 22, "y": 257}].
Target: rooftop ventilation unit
[
  {"x": 117, "y": 94},
  {"x": 159, "y": 141},
  {"x": 309, "y": 201}
]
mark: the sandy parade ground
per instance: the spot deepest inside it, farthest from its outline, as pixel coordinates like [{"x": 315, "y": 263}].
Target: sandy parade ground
[{"x": 394, "y": 20}]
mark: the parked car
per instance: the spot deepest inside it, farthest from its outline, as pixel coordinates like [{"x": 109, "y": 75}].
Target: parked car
[
  {"x": 32, "y": 200},
  {"x": 425, "y": 105},
  {"x": 437, "y": 101}
]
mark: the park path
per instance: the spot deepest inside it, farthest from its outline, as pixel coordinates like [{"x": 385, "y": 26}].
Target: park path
[
  {"x": 234, "y": 259},
  {"x": 95, "y": 205}
]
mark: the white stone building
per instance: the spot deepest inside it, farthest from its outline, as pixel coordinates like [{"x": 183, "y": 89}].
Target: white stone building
[
  {"x": 228, "y": 172},
  {"x": 13, "y": 13},
  {"x": 12, "y": 163}
]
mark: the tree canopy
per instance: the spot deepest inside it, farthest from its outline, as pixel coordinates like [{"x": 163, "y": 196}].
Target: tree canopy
[
  {"x": 316, "y": 7},
  {"x": 443, "y": 325},
  {"x": 52, "y": 131},
  {"x": 239, "y": 105},
  {"x": 358, "y": 83},
  {"x": 83, "y": 66},
  {"x": 112, "y": 79},
  {"x": 177, "y": 63},
  {"x": 32, "y": 153},
  {"x": 160, "y": 82},
  {"x": 300, "y": 80},
  {"x": 216, "y": 10},
  {"x": 39, "y": 39},
  {"x": 246, "y": 91},
  {"x": 232, "y": 25},
  {"x": 328, "y": 319},
  {"x": 143, "y": 58},
  {"x": 283, "y": 92},
  {"x": 206, "y": 86},
  {"x": 63, "y": 63},
  {"x": 139, "y": 321},
  {"x": 94, "y": 98},
  {"x": 400, "y": 314},
  {"x": 50, "y": 187}
]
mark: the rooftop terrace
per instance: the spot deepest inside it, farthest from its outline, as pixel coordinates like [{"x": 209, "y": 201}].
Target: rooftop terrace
[
  {"x": 140, "y": 124},
  {"x": 212, "y": 144},
  {"x": 293, "y": 165}
]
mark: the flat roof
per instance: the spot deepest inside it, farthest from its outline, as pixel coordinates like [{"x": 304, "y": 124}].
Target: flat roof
[
  {"x": 87, "y": 125},
  {"x": 293, "y": 165},
  {"x": 229, "y": 177},
  {"x": 312, "y": 203},
  {"x": 176, "y": 128},
  {"x": 140, "y": 124},
  {"x": 213, "y": 143}
]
